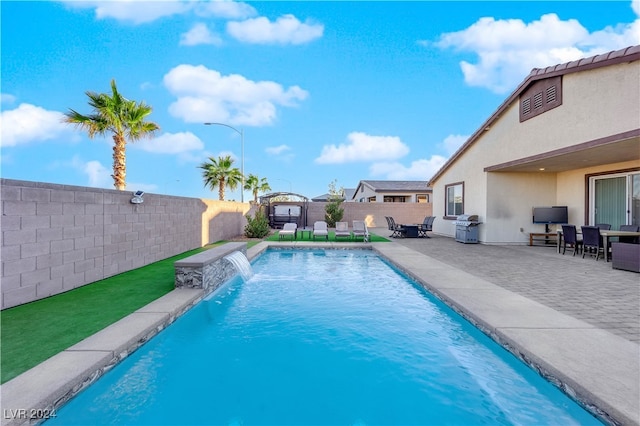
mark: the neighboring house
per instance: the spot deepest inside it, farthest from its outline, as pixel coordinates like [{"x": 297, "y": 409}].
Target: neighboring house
[
  {"x": 569, "y": 135},
  {"x": 392, "y": 191},
  {"x": 347, "y": 194}
]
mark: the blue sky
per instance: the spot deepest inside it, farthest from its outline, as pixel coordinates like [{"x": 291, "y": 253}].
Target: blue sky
[{"x": 323, "y": 91}]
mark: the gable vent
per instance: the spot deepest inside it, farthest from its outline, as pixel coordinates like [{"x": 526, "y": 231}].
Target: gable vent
[
  {"x": 542, "y": 96},
  {"x": 537, "y": 100},
  {"x": 551, "y": 94}
]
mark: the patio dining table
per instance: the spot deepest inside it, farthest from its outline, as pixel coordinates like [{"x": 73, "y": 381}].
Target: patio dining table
[{"x": 606, "y": 234}]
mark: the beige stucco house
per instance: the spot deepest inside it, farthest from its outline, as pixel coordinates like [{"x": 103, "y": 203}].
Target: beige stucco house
[
  {"x": 569, "y": 135},
  {"x": 392, "y": 191}
]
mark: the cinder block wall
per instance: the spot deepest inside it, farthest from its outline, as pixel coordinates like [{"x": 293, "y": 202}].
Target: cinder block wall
[
  {"x": 374, "y": 213},
  {"x": 59, "y": 237}
]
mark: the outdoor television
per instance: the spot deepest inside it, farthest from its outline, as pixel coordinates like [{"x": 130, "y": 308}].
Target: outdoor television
[{"x": 551, "y": 215}]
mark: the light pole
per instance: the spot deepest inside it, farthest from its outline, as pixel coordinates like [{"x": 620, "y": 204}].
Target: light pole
[{"x": 241, "y": 132}]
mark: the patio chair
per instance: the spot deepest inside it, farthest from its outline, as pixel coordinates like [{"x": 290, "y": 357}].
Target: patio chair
[
  {"x": 630, "y": 240},
  {"x": 603, "y": 226},
  {"x": 290, "y": 229},
  {"x": 320, "y": 230},
  {"x": 342, "y": 230},
  {"x": 592, "y": 241},
  {"x": 360, "y": 230},
  {"x": 570, "y": 237},
  {"x": 426, "y": 226},
  {"x": 396, "y": 230}
]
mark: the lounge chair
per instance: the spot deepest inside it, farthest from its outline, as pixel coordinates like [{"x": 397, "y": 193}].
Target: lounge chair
[
  {"x": 320, "y": 230},
  {"x": 360, "y": 230},
  {"x": 289, "y": 229},
  {"x": 342, "y": 230}
]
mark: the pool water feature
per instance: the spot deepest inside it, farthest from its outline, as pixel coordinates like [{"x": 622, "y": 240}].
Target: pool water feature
[
  {"x": 321, "y": 337},
  {"x": 241, "y": 263}
]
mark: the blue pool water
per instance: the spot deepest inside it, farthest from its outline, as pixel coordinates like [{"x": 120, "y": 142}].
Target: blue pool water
[{"x": 321, "y": 337}]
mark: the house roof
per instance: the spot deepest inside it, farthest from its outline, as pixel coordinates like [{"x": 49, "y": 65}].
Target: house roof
[
  {"x": 409, "y": 186},
  {"x": 347, "y": 195},
  {"x": 627, "y": 54}
]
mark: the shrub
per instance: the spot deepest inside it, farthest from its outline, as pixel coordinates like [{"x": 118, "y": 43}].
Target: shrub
[
  {"x": 333, "y": 212},
  {"x": 257, "y": 226}
]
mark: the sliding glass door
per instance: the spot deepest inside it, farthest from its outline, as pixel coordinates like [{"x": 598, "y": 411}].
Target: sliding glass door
[{"x": 615, "y": 199}]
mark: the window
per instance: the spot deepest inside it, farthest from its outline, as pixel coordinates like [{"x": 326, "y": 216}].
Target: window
[
  {"x": 541, "y": 97},
  {"x": 422, "y": 198},
  {"x": 394, "y": 199},
  {"x": 454, "y": 202}
]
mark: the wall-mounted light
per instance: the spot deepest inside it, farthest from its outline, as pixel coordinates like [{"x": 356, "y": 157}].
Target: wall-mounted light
[
  {"x": 541, "y": 169},
  {"x": 137, "y": 197}
]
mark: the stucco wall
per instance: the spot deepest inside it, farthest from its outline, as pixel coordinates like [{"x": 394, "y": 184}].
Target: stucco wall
[
  {"x": 596, "y": 103},
  {"x": 58, "y": 237}
]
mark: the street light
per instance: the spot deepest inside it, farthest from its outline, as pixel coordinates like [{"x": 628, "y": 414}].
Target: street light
[{"x": 241, "y": 132}]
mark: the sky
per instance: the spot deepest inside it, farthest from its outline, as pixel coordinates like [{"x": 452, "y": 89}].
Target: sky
[{"x": 310, "y": 94}]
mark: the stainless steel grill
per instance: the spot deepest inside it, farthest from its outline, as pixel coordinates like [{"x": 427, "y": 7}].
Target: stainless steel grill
[{"x": 467, "y": 228}]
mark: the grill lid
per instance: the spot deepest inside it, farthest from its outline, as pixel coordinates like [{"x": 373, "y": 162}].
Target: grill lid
[{"x": 467, "y": 218}]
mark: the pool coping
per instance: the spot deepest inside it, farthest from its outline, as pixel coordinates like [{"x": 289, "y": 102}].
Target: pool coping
[{"x": 595, "y": 367}]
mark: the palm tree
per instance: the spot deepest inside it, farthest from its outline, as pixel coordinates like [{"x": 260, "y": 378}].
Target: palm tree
[
  {"x": 123, "y": 118},
  {"x": 255, "y": 185},
  {"x": 218, "y": 173}
]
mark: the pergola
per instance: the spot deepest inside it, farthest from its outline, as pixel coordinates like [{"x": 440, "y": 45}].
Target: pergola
[{"x": 276, "y": 208}]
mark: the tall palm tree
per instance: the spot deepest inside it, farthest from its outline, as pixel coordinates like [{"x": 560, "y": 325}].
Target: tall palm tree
[
  {"x": 255, "y": 185},
  {"x": 219, "y": 173},
  {"x": 123, "y": 118}
]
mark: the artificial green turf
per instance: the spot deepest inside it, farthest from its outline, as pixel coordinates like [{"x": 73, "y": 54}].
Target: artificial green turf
[
  {"x": 332, "y": 238},
  {"x": 34, "y": 332}
]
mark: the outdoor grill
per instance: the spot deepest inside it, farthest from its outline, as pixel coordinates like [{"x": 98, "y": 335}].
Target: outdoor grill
[{"x": 467, "y": 228}]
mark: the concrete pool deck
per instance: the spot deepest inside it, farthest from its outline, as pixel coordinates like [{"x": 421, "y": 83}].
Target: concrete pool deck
[{"x": 574, "y": 320}]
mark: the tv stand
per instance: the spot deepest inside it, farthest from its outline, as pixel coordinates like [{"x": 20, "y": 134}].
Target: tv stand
[{"x": 547, "y": 237}]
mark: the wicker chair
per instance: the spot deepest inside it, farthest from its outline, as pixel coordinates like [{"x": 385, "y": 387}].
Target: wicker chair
[
  {"x": 592, "y": 241},
  {"x": 570, "y": 238}
]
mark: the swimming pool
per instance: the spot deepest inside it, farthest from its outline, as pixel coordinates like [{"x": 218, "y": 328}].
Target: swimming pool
[{"x": 321, "y": 337}]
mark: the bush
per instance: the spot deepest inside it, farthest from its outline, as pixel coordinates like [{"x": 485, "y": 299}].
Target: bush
[
  {"x": 257, "y": 227},
  {"x": 333, "y": 212}
]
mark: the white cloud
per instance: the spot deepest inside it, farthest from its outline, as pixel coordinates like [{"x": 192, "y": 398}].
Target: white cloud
[
  {"x": 134, "y": 11},
  {"x": 277, "y": 150},
  {"x": 206, "y": 95},
  {"x": 6, "y": 98},
  {"x": 225, "y": 9},
  {"x": 98, "y": 176},
  {"x": 418, "y": 170},
  {"x": 363, "y": 148},
  {"x": 281, "y": 153},
  {"x": 199, "y": 34},
  {"x": 30, "y": 123},
  {"x": 508, "y": 50},
  {"x": 171, "y": 143},
  {"x": 286, "y": 29},
  {"x": 452, "y": 142}
]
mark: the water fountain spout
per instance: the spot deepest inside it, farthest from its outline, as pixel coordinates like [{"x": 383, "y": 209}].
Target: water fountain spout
[{"x": 241, "y": 263}]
